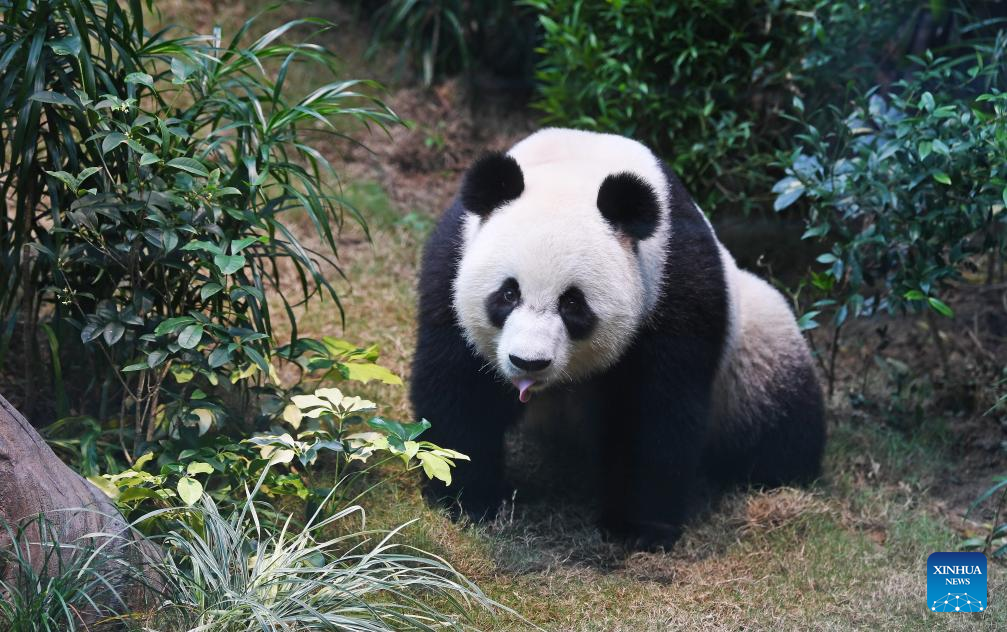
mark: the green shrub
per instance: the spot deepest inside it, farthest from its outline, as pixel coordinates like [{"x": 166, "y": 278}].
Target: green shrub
[
  {"x": 700, "y": 82},
  {"x": 908, "y": 187},
  {"x": 158, "y": 181}
]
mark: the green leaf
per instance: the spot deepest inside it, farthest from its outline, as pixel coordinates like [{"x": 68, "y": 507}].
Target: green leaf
[
  {"x": 940, "y": 307},
  {"x": 435, "y": 466},
  {"x": 942, "y": 177},
  {"x": 189, "y": 490},
  {"x": 229, "y": 264},
  {"x": 198, "y": 467},
  {"x": 238, "y": 245},
  {"x": 141, "y": 78},
  {"x": 113, "y": 332},
  {"x": 807, "y": 321},
  {"x": 148, "y": 159},
  {"x": 87, "y": 173},
  {"x": 190, "y": 165},
  {"x": 209, "y": 289},
  {"x": 368, "y": 372},
  {"x": 190, "y": 336},
  {"x": 219, "y": 357},
  {"x": 107, "y": 487},
  {"x": 47, "y": 96},
  {"x": 69, "y": 45},
  {"x": 112, "y": 141},
  {"x": 927, "y": 102},
  {"x": 404, "y": 431},
  {"x": 790, "y": 189},
  {"x": 181, "y": 70},
  {"x": 914, "y": 295},
  {"x": 66, "y": 178},
  {"x": 172, "y": 324},
  {"x": 156, "y": 357},
  {"x": 143, "y": 460}
]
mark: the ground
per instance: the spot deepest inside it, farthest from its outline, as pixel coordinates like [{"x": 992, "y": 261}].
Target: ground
[{"x": 848, "y": 552}]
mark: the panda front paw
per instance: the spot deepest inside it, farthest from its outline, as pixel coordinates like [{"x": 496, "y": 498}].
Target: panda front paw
[{"x": 641, "y": 536}]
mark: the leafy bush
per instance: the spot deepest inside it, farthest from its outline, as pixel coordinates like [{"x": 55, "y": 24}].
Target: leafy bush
[
  {"x": 700, "y": 82},
  {"x": 908, "y": 187},
  {"x": 158, "y": 181}
]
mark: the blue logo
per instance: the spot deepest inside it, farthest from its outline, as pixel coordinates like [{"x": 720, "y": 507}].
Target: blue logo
[{"x": 956, "y": 582}]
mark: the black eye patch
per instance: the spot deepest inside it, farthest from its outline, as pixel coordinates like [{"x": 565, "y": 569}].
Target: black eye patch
[
  {"x": 502, "y": 302},
  {"x": 576, "y": 314}
]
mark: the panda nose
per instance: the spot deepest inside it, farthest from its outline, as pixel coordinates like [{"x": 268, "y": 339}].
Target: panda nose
[{"x": 529, "y": 365}]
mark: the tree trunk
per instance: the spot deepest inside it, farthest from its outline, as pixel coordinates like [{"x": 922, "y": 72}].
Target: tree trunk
[{"x": 42, "y": 500}]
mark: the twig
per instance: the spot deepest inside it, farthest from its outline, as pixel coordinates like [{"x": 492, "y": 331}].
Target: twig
[{"x": 975, "y": 338}]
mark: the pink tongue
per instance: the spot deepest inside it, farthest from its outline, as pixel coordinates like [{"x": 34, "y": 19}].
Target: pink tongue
[{"x": 523, "y": 386}]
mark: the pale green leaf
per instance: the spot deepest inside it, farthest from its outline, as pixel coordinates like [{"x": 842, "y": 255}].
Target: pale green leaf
[{"x": 189, "y": 490}]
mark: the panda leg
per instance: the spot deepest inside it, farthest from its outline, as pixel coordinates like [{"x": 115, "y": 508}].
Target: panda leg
[
  {"x": 656, "y": 419},
  {"x": 781, "y": 445},
  {"x": 469, "y": 411}
]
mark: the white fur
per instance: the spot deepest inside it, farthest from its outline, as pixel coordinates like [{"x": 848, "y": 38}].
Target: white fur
[
  {"x": 763, "y": 349},
  {"x": 553, "y": 236}
]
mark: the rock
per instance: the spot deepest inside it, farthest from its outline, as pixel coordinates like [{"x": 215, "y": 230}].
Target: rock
[{"x": 39, "y": 493}]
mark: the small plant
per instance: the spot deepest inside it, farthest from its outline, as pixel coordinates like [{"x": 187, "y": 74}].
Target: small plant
[
  {"x": 234, "y": 570},
  {"x": 50, "y": 585},
  {"x": 994, "y": 543},
  {"x": 328, "y": 420}
]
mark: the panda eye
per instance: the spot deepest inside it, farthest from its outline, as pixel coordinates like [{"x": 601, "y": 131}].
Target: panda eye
[
  {"x": 576, "y": 313},
  {"x": 510, "y": 295}
]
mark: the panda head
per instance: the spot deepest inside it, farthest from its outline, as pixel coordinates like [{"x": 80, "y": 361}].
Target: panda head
[{"x": 551, "y": 286}]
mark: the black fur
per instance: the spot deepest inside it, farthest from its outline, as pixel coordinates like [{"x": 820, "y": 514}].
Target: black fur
[
  {"x": 469, "y": 409},
  {"x": 491, "y": 182},
  {"x": 502, "y": 302},
  {"x": 629, "y": 204},
  {"x": 578, "y": 317},
  {"x": 656, "y": 400}
]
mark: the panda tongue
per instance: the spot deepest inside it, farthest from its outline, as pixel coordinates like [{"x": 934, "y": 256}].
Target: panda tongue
[{"x": 523, "y": 386}]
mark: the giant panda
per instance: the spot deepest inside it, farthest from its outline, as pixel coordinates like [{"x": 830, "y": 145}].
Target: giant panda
[{"x": 576, "y": 268}]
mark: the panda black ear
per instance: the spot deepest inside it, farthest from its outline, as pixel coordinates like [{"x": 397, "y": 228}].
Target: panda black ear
[
  {"x": 629, "y": 204},
  {"x": 491, "y": 182}
]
